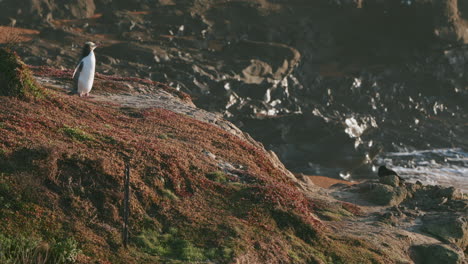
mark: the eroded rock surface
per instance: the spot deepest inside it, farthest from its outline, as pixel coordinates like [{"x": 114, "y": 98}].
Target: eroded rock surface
[{"x": 435, "y": 216}]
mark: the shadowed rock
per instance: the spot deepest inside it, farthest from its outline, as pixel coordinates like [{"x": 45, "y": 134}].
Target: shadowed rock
[
  {"x": 392, "y": 180},
  {"x": 450, "y": 227},
  {"x": 435, "y": 254}
]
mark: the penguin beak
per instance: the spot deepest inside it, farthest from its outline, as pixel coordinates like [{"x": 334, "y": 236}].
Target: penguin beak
[{"x": 95, "y": 46}]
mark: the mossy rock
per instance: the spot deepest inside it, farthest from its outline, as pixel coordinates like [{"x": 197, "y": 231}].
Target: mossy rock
[
  {"x": 16, "y": 79},
  {"x": 382, "y": 194}
]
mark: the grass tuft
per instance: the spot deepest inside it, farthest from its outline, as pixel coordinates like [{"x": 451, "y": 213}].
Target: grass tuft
[{"x": 28, "y": 250}]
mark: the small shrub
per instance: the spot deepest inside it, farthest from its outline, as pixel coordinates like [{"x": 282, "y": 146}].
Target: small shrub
[
  {"x": 65, "y": 251},
  {"x": 77, "y": 134},
  {"x": 16, "y": 79},
  {"x": 17, "y": 249}
]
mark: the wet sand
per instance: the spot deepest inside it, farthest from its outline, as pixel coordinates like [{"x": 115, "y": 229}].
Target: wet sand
[{"x": 326, "y": 182}]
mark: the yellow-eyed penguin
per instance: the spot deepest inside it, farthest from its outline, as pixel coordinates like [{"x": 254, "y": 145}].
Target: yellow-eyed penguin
[{"x": 83, "y": 76}]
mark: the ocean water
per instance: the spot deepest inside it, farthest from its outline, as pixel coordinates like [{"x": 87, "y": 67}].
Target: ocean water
[
  {"x": 410, "y": 116},
  {"x": 447, "y": 167}
]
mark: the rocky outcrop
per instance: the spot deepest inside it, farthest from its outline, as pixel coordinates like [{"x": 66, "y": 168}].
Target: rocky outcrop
[
  {"x": 383, "y": 194},
  {"x": 436, "y": 211},
  {"x": 390, "y": 191},
  {"x": 435, "y": 254},
  {"x": 391, "y": 180},
  {"x": 450, "y": 227},
  {"x": 452, "y": 20}
]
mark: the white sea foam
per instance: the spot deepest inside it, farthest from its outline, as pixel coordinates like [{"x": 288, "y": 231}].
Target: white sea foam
[{"x": 448, "y": 167}]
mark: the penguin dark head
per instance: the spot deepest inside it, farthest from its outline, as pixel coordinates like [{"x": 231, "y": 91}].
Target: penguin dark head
[
  {"x": 383, "y": 171},
  {"x": 87, "y": 48}
]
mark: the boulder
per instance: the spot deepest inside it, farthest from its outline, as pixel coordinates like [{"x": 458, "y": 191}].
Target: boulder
[
  {"x": 435, "y": 254},
  {"x": 382, "y": 194},
  {"x": 450, "y": 227}
]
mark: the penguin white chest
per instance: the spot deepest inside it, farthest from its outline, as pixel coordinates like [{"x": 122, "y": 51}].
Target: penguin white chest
[{"x": 86, "y": 79}]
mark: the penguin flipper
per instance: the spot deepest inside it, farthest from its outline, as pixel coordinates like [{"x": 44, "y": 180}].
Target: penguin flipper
[
  {"x": 78, "y": 69},
  {"x": 76, "y": 76}
]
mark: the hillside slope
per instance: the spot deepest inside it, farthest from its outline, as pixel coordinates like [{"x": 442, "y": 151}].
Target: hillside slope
[{"x": 198, "y": 192}]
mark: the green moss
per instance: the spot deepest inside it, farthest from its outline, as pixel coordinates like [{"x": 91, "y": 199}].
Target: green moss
[
  {"x": 173, "y": 247},
  {"x": 334, "y": 215},
  {"x": 169, "y": 245},
  {"x": 290, "y": 221},
  {"x": 16, "y": 79},
  {"x": 77, "y": 134},
  {"x": 217, "y": 176}
]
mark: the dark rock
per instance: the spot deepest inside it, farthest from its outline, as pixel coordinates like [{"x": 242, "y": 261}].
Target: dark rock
[
  {"x": 450, "y": 227},
  {"x": 133, "y": 52},
  {"x": 434, "y": 197},
  {"x": 435, "y": 254},
  {"x": 392, "y": 180},
  {"x": 384, "y": 171},
  {"x": 338, "y": 186},
  {"x": 449, "y": 193},
  {"x": 45, "y": 11},
  {"x": 391, "y": 218}
]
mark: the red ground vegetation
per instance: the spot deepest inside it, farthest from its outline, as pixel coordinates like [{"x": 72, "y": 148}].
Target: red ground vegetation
[
  {"x": 61, "y": 169},
  {"x": 10, "y": 35},
  {"x": 71, "y": 151}
]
